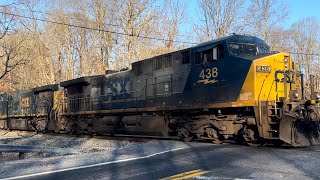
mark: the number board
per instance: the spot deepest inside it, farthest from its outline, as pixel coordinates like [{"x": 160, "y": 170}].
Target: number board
[{"x": 263, "y": 69}]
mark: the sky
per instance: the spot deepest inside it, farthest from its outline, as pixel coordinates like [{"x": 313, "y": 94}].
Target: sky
[{"x": 299, "y": 9}]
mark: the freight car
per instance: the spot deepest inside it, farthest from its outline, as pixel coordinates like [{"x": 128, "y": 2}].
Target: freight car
[{"x": 229, "y": 88}]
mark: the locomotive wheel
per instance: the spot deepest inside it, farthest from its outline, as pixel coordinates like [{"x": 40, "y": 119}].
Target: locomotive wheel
[
  {"x": 217, "y": 141},
  {"x": 212, "y": 133},
  {"x": 184, "y": 134},
  {"x": 250, "y": 138}
]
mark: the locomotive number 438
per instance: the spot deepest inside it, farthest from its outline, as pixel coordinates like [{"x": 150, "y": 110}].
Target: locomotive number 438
[{"x": 209, "y": 73}]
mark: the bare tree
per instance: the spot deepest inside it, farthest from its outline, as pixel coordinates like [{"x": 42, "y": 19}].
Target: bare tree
[
  {"x": 172, "y": 16},
  {"x": 10, "y": 44},
  {"x": 217, "y": 17},
  {"x": 266, "y": 17},
  {"x": 105, "y": 15},
  {"x": 10, "y": 57},
  {"x": 305, "y": 38},
  {"x": 136, "y": 19}
]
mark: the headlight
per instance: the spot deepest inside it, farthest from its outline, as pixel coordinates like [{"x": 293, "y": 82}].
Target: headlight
[
  {"x": 317, "y": 98},
  {"x": 286, "y": 60},
  {"x": 294, "y": 95}
]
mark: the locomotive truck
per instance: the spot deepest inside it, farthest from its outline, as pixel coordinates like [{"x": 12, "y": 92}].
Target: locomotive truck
[{"x": 229, "y": 88}]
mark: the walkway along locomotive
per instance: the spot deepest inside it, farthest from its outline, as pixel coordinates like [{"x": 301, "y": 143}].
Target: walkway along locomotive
[{"x": 229, "y": 88}]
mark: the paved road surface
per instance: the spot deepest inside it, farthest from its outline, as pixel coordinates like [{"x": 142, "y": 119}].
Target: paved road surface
[{"x": 208, "y": 162}]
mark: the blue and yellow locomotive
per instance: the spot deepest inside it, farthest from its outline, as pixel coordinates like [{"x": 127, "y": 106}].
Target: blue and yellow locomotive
[{"x": 229, "y": 88}]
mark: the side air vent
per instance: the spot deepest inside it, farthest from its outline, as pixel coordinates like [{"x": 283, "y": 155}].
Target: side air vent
[{"x": 162, "y": 62}]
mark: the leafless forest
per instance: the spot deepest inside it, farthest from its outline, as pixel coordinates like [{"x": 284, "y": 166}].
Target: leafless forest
[{"x": 49, "y": 41}]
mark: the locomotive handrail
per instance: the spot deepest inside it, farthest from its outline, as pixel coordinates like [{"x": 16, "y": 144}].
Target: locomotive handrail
[{"x": 82, "y": 102}]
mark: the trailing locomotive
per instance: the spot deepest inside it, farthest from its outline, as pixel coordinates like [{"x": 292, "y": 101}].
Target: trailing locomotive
[{"x": 229, "y": 88}]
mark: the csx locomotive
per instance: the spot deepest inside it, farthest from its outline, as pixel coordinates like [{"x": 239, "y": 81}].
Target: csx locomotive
[{"x": 229, "y": 88}]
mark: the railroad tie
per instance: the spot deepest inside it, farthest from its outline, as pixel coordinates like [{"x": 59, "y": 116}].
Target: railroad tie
[{"x": 22, "y": 155}]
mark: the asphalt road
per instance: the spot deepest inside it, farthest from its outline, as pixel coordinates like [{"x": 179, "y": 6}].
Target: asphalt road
[{"x": 209, "y": 162}]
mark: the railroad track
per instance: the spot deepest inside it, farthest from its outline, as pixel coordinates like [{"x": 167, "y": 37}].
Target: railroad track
[
  {"x": 118, "y": 137},
  {"x": 23, "y": 143},
  {"x": 137, "y": 138}
]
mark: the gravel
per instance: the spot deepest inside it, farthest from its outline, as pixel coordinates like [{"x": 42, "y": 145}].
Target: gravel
[
  {"x": 92, "y": 151},
  {"x": 79, "y": 144}
]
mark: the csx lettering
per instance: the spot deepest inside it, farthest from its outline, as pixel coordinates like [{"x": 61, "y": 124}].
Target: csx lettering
[
  {"x": 117, "y": 88},
  {"x": 209, "y": 73}
]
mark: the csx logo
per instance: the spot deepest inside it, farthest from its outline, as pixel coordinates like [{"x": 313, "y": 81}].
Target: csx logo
[
  {"x": 118, "y": 88},
  {"x": 207, "y": 76}
]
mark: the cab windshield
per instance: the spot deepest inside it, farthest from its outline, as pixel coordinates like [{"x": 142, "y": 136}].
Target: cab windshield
[{"x": 247, "y": 50}]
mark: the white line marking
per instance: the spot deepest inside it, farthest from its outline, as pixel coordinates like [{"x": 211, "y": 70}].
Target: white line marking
[{"x": 92, "y": 165}]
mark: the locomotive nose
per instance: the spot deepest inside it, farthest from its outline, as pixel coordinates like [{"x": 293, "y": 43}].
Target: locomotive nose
[{"x": 300, "y": 132}]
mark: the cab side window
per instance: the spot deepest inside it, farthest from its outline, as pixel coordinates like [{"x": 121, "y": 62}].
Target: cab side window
[
  {"x": 210, "y": 55},
  {"x": 220, "y": 51}
]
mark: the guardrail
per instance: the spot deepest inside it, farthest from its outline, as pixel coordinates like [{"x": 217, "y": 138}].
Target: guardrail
[{"x": 23, "y": 149}]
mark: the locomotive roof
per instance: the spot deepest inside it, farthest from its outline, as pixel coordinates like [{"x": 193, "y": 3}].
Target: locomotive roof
[
  {"x": 86, "y": 80},
  {"x": 231, "y": 38},
  {"x": 234, "y": 37},
  {"x": 150, "y": 58},
  {"x": 51, "y": 87}
]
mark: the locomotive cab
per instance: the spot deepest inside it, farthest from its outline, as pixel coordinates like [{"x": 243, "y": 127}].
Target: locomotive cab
[{"x": 275, "y": 84}]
